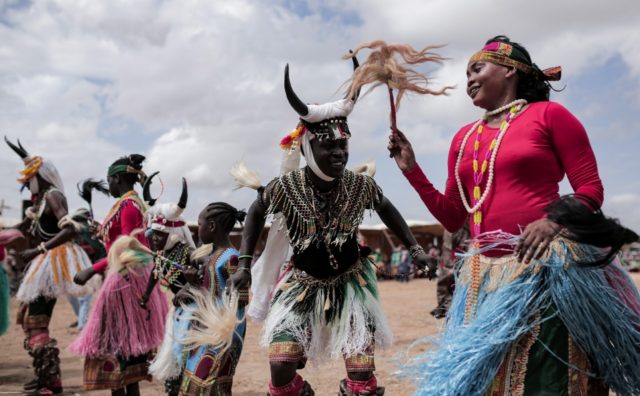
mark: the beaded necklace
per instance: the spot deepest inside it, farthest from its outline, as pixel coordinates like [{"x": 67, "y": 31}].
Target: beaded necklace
[
  {"x": 169, "y": 265},
  {"x": 488, "y": 162},
  {"x": 479, "y": 197}
]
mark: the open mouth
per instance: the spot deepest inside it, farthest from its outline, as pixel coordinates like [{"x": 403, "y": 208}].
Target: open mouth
[{"x": 473, "y": 91}]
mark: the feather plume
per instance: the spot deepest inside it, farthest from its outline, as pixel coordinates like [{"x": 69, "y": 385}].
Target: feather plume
[
  {"x": 368, "y": 167},
  {"x": 202, "y": 252},
  {"x": 213, "y": 320},
  {"x": 128, "y": 253},
  {"x": 245, "y": 177},
  {"x": 87, "y": 186},
  {"x": 382, "y": 67}
]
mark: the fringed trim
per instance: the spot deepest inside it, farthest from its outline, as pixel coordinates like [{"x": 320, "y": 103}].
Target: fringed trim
[
  {"x": 293, "y": 196},
  {"x": 330, "y": 318},
  {"x": 500, "y": 271}
]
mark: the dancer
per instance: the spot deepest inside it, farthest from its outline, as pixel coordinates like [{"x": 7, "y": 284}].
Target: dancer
[
  {"x": 52, "y": 265},
  {"x": 213, "y": 334},
  {"x": 326, "y": 303},
  {"x": 171, "y": 239},
  {"x": 120, "y": 335},
  {"x": 532, "y": 312},
  {"x": 452, "y": 243}
]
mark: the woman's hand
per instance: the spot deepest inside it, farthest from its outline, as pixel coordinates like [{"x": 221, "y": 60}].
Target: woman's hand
[
  {"x": 536, "y": 238},
  {"x": 400, "y": 149}
]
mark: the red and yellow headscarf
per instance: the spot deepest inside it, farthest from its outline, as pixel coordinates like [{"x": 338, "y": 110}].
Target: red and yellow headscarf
[
  {"x": 31, "y": 167},
  {"x": 505, "y": 54}
]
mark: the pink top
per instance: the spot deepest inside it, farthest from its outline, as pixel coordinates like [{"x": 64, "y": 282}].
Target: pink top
[
  {"x": 127, "y": 218},
  {"x": 543, "y": 143}
]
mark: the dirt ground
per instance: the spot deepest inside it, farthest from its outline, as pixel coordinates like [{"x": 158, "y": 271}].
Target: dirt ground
[{"x": 407, "y": 306}]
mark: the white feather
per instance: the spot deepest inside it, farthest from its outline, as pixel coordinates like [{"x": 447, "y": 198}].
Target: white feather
[
  {"x": 245, "y": 177},
  {"x": 213, "y": 320},
  {"x": 368, "y": 167}
]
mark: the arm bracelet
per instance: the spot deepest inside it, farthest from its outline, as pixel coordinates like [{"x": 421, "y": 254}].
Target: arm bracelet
[
  {"x": 415, "y": 250},
  {"x": 42, "y": 248}
]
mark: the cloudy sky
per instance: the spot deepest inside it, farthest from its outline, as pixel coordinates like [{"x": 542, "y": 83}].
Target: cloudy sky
[{"x": 196, "y": 85}]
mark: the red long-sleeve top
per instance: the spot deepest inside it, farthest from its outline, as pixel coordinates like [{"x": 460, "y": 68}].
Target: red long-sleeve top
[
  {"x": 543, "y": 143},
  {"x": 124, "y": 218}
]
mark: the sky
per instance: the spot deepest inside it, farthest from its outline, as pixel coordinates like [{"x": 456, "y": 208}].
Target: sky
[{"x": 196, "y": 85}]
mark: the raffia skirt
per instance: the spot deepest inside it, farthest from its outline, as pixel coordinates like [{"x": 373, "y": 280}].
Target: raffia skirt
[
  {"x": 548, "y": 328},
  {"x": 50, "y": 274},
  {"x": 329, "y": 318}
]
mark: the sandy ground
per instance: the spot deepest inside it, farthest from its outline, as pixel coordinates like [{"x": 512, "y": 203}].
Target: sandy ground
[{"x": 406, "y": 304}]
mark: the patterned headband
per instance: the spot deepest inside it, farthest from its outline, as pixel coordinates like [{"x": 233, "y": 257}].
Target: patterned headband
[
  {"x": 122, "y": 168},
  {"x": 332, "y": 128},
  {"x": 507, "y": 55}
]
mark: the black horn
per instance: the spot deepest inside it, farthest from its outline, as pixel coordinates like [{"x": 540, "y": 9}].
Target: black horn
[
  {"x": 146, "y": 193},
  {"x": 18, "y": 149},
  {"x": 354, "y": 59},
  {"x": 182, "y": 203},
  {"x": 356, "y": 64},
  {"x": 299, "y": 106}
]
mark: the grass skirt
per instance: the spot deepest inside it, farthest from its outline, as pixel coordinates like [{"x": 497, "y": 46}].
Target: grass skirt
[
  {"x": 50, "y": 274},
  {"x": 117, "y": 324},
  {"x": 330, "y": 318},
  {"x": 498, "y": 302}
]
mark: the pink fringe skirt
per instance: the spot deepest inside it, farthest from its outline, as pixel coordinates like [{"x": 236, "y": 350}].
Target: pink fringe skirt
[{"x": 118, "y": 325}]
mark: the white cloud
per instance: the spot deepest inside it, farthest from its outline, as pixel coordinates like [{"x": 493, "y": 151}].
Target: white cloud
[{"x": 197, "y": 85}]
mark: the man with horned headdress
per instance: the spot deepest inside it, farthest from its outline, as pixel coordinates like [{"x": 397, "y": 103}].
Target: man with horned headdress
[
  {"x": 53, "y": 262},
  {"x": 326, "y": 303}
]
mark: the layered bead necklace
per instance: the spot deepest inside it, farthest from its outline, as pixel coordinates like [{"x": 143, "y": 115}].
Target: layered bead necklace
[
  {"x": 479, "y": 197},
  {"x": 488, "y": 162}
]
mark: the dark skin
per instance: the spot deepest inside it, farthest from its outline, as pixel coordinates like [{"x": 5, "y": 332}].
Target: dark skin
[
  {"x": 118, "y": 186},
  {"x": 56, "y": 205},
  {"x": 157, "y": 241},
  {"x": 489, "y": 86},
  {"x": 208, "y": 232},
  {"x": 331, "y": 156}
]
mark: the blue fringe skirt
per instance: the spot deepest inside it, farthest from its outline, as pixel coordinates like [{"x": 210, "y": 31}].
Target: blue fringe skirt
[{"x": 497, "y": 313}]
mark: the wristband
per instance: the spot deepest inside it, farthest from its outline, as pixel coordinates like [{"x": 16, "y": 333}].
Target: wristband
[
  {"x": 42, "y": 248},
  {"x": 415, "y": 250}
]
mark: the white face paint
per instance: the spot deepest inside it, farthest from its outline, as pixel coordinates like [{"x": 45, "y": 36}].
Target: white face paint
[
  {"x": 309, "y": 158},
  {"x": 33, "y": 185}
]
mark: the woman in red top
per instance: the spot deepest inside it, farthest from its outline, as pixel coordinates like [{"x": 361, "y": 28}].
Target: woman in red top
[
  {"x": 521, "y": 320},
  {"x": 120, "y": 334}
]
